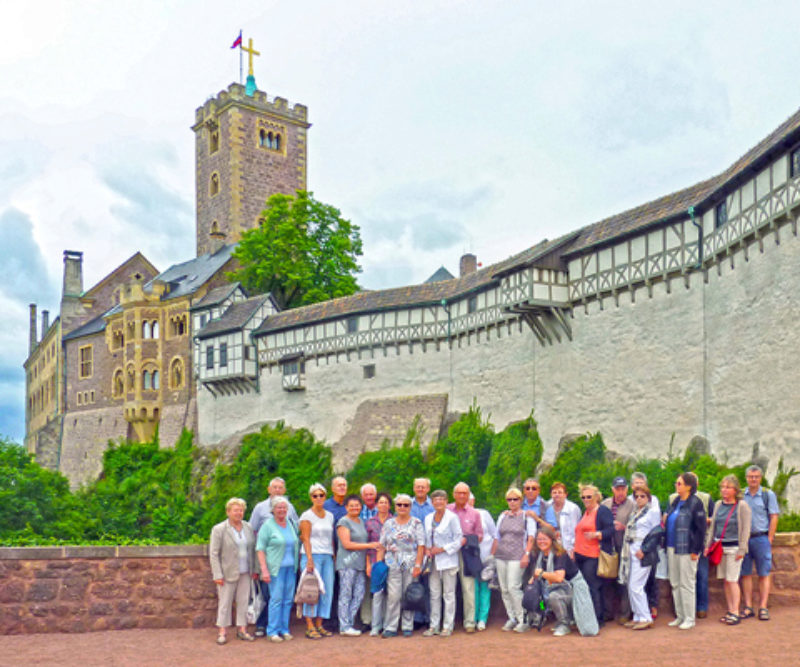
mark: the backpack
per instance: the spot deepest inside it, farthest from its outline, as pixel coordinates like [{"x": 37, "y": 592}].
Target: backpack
[{"x": 307, "y": 589}]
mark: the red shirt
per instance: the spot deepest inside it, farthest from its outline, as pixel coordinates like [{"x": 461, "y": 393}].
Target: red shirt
[
  {"x": 584, "y": 547},
  {"x": 470, "y": 519}
]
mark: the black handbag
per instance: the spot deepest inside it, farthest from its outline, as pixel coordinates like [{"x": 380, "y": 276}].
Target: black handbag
[{"x": 414, "y": 598}]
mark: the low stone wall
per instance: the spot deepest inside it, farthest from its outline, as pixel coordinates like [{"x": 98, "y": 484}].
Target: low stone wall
[{"x": 80, "y": 589}]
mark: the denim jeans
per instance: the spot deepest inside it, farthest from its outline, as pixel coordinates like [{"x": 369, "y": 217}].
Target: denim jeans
[
  {"x": 281, "y": 598},
  {"x": 323, "y": 563},
  {"x": 261, "y": 621},
  {"x": 702, "y": 584}
]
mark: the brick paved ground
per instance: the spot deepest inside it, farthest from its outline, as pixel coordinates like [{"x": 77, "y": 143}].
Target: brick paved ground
[{"x": 751, "y": 643}]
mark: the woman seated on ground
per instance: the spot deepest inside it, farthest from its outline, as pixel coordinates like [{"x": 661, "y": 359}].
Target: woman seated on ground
[
  {"x": 402, "y": 547},
  {"x": 232, "y": 565},
  {"x": 511, "y": 551},
  {"x": 383, "y": 503},
  {"x": 730, "y": 523},
  {"x": 277, "y": 548},
  {"x": 316, "y": 533},
  {"x": 351, "y": 564},
  {"x": 634, "y": 568},
  {"x": 553, "y": 565}
]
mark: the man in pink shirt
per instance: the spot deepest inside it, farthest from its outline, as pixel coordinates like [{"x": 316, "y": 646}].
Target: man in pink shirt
[{"x": 471, "y": 524}]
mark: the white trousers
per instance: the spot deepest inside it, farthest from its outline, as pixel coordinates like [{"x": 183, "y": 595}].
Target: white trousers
[
  {"x": 467, "y": 594},
  {"x": 509, "y": 573},
  {"x": 238, "y": 590},
  {"x": 637, "y": 579},
  {"x": 682, "y": 578},
  {"x": 442, "y": 584}
]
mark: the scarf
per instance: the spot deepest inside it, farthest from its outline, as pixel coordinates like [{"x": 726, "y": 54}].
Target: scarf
[{"x": 628, "y": 539}]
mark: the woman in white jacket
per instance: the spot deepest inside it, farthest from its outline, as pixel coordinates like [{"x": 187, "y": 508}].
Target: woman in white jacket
[{"x": 443, "y": 537}]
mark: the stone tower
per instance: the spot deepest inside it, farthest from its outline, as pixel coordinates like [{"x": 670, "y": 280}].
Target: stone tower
[{"x": 247, "y": 148}]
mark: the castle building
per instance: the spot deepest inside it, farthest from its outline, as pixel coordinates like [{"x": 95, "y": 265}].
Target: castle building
[{"x": 120, "y": 360}]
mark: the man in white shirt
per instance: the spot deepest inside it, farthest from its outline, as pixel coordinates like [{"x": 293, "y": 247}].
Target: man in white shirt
[{"x": 567, "y": 516}]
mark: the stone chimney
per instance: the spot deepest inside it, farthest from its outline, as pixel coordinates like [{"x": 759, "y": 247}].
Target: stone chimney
[
  {"x": 32, "y": 338},
  {"x": 468, "y": 264},
  {"x": 45, "y": 322},
  {"x": 72, "y": 288}
]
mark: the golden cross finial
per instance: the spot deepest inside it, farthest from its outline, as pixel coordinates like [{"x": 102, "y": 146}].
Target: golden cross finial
[{"x": 250, "y": 53}]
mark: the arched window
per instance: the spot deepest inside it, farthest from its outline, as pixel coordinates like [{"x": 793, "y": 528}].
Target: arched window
[
  {"x": 117, "y": 384},
  {"x": 262, "y": 138},
  {"x": 154, "y": 380},
  {"x": 213, "y": 142},
  {"x": 145, "y": 329},
  {"x": 154, "y": 329},
  {"x": 214, "y": 186},
  {"x": 146, "y": 380},
  {"x": 131, "y": 378},
  {"x": 176, "y": 374},
  {"x": 277, "y": 143}
]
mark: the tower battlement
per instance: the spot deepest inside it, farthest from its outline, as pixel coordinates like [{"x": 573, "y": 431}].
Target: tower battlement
[{"x": 259, "y": 102}]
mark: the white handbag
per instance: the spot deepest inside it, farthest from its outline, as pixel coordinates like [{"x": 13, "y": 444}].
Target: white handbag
[{"x": 256, "y": 605}]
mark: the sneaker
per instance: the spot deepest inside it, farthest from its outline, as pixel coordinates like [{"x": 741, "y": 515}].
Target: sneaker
[
  {"x": 469, "y": 629},
  {"x": 521, "y": 627},
  {"x": 430, "y": 632},
  {"x": 686, "y": 625},
  {"x": 675, "y": 622},
  {"x": 388, "y": 633},
  {"x": 407, "y": 633},
  {"x": 561, "y": 631},
  {"x": 275, "y": 638},
  {"x": 287, "y": 637},
  {"x": 350, "y": 632},
  {"x": 445, "y": 633},
  {"x": 260, "y": 632},
  {"x": 481, "y": 626},
  {"x": 375, "y": 632},
  {"x": 509, "y": 626}
]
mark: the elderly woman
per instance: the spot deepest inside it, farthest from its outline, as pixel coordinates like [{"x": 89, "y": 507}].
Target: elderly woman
[
  {"x": 511, "y": 551},
  {"x": 633, "y": 570},
  {"x": 552, "y": 564},
  {"x": 277, "y": 548},
  {"x": 232, "y": 565},
  {"x": 595, "y": 531},
  {"x": 383, "y": 504},
  {"x": 442, "y": 543},
  {"x": 685, "y": 523},
  {"x": 402, "y": 547},
  {"x": 316, "y": 534},
  {"x": 351, "y": 564},
  {"x": 730, "y": 523}
]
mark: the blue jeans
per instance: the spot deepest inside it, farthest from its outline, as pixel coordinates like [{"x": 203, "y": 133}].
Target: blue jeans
[
  {"x": 281, "y": 598},
  {"x": 261, "y": 621},
  {"x": 702, "y": 584},
  {"x": 323, "y": 563}
]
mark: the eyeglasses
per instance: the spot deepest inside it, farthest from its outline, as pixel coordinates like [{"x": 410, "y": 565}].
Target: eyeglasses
[
  {"x": 531, "y": 488},
  {"x": 509, "y": 500},
  {"x": 586, "y": 497},
  {"x": 317, "y": 495},
  {"x": 640, "y": 496},
  {"x": 402, "y": 504}
]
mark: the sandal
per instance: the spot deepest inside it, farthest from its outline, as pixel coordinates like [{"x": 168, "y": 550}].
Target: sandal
[
  {"x": 323, "y": 632},
  {"x": 747, "y": 612},
  {"x": 763, "y": 614},
  {"x": 313, "y": 634},
  {"x": 731, "y": 619},
  {"x": 244, "y": 636}
]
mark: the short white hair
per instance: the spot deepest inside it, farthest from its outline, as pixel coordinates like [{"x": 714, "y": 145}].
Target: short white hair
[
  {"x": 367, "y": 486},
  {"x": 316, "y": 486},
  {"x": 279, "y": 500},
  {"x": 402, "y": 496},
  {"x": 236, "y": 501},
  {"x": 424, "y": 480}
]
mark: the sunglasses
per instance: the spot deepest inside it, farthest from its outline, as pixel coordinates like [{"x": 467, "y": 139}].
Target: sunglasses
[
  {"x": 640, "y": 496},
  {"x": 317, "y": 495},
  {"x": 531, "y": 488},
  {"x": 402, "y": 504},
  {"x": 508, "y": 500},
  {"x": 586, "y": 497}
]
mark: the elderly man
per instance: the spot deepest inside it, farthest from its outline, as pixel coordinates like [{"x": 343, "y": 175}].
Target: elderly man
[
  {"x": 368, "y": 496},
  {"x": 567, "y": 516},
  {"x": 471, "y": 525},
  {"x": 335, "y": 504},
  {"x": 261, "y": 513},
  {"x": 764, "y": 508},
  {"x": 534, "y": 505},
  {"x": 421, "y": 505},
  {"x": 616, "y": 594}
]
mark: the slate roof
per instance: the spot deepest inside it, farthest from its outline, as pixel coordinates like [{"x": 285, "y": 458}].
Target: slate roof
[
  {"x": 94, "y": 326},
  {"x": 234, "y": 318},
  {"x": 187, "y": 277},
  {"x": 216, "y": 296},
  {"x": 699, "y": 195},
  {"x": 403, "y": 297},
  {"x": 440, "y": 274}
]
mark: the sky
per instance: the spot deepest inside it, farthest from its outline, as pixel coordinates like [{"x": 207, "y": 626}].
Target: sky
[{"x": 439, "y": 128}]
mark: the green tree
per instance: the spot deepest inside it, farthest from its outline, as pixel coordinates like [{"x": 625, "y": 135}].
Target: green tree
[{"x": 302, "y": 252}]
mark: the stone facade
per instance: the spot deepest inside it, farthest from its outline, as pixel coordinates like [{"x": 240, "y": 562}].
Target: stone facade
[{"x": 246, "y": 148}]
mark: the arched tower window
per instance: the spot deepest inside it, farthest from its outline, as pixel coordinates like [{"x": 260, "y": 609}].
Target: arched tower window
[
  {"x": 176, "y": 374},
  {"x": 213, "y": 188},
  {"x": 117, "y": 384},
  {"x": 154, "y": 329},
  {"x": 145, "y": 329},
  {"x": 262, "y": 138},
  {"x": 155, "y": 380},
  {"x": 277, "y": 142},
  {"x": 213, "y": 141},
  {"x": 146, "y": 380}
]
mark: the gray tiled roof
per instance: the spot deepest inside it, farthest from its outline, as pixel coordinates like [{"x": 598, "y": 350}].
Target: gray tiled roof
[
  {"x": 440, "y": 274},
  {"x": 216, "y": 296},
  {"x": 188, "y": 277},
  {"x": 699, "y": 195},
  {"x": 94, "y": 326},
  {"x": 402, "y": 297},
  {"x": 234, "y": 318}
]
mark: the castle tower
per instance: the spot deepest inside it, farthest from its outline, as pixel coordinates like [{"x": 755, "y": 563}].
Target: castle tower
[{"x": 247, "y": 148}]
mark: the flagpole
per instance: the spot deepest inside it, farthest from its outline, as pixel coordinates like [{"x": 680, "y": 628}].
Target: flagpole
[{"x": 240, "y": 59}]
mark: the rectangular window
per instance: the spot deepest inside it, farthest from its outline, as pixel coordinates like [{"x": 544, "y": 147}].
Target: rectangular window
[
  {"x": 720, "y": 214},
  {"x": 369, "y": 371},
  {"x": 210, "y": 358},
  {"x": 352, "y": 325},
  {"x": 85, "y": 366},
  {"x": 203, "y": 320},
  {"x": 794, "y": 166},
  {"x": 223, "y": 355},
  {"x": 472, "y": 304}
]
